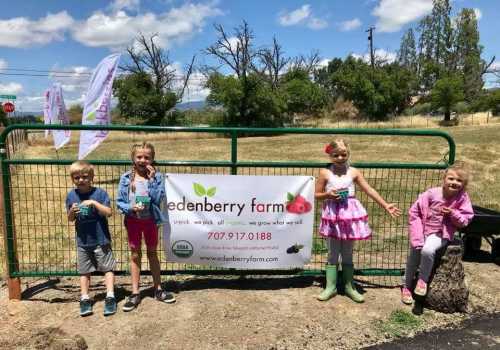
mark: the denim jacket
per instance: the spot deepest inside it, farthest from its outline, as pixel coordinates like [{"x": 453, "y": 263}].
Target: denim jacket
[{"x": 156, "y": 192}]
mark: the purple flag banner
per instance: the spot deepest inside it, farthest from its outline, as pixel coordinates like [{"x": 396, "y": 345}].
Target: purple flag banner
[
  {"x": 97, "y": 105},
  {"x": 58, "y": 116}
]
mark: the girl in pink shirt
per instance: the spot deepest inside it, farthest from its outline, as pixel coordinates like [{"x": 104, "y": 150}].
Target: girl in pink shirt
[{"x": 433, "y": 220}]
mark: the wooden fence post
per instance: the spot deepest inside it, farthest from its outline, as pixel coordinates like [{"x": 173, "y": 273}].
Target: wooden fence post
[{"x": 13, "y": 283}]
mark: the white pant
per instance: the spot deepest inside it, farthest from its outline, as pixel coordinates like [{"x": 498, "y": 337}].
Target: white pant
[{"x": 423, "y": 259}]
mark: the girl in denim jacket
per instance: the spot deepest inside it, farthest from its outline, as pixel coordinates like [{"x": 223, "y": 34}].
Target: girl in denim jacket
[
  {"x": 433, "y": 220},
  {"x": 140, "y": 193}
]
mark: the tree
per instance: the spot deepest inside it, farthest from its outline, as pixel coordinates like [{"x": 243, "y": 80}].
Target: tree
[
  {"x": 446, "y": 93},
  {"x": 149, "y": 89},
  {"x": 435, "y": 44},
  {"x": 468, "y": 54},
  {"x": 273, "y": 62},
  {"x": 139, "y": 98},
  {"x": 75, "y": 113},
  {"x": 377, "y": 92},
  {"x": 301, "y": 93},
  {"x": 407, "y": 55},
  {"x": 494, "y": 102},
  {"x": 323, "y": 77},
  {"x": 266, "y": 107},
  {"x": 3, "y": 118},
  {"x": 238, "y": 55}
]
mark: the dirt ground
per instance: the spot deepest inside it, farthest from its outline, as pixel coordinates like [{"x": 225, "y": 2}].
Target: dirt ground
[{"x": 223, "y": 313}]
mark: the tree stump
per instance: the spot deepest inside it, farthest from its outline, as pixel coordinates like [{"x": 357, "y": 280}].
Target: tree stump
[{"x": 448, "y": 291}]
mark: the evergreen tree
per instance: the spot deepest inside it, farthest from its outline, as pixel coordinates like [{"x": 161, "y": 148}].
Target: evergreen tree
[
  {"x": 468, "y": 54},
  {"x": 446, "y": 93},
  {"x": 407, "y": 55},
  {"x": 436, "y": 44}
]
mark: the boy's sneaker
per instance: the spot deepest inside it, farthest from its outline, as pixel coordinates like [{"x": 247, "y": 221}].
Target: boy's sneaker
[
  {"x": 131, "y": 303},
  {"x": 109, "y": 306},
  {"x": 406, "y": 296},
  {"x": 166, "y": 297},
  {"x": 85, "y": 307},
  {"x": 421, "y": 288}
]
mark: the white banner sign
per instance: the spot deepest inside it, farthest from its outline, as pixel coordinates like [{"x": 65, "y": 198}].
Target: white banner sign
[
  {"x": 46, "y": 117},
  {"x": 248, "y": 222},
  {"x": 57, "y": 115},
  {"x": 97, "y": 105}
]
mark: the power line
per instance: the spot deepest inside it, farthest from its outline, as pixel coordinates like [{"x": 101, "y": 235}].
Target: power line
[
  {"x": 45, "y": 71},
  {"x": 77, "y": 74}
]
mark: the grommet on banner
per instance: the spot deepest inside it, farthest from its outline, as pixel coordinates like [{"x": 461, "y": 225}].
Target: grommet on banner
[{"x": 3, "y": 151}]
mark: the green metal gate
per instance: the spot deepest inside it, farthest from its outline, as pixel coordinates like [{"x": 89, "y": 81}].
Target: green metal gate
[{"x": 39, "y": 240}]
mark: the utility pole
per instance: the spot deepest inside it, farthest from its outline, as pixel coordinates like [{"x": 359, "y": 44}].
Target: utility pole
[{"x": 370, "y": 39}]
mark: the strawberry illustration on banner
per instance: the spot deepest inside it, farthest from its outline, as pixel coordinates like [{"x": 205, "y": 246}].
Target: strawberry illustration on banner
[{"x": 297, "y": 204}]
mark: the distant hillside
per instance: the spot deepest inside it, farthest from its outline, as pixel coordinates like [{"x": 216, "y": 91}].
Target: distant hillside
[{"x": 196, "y": 105}]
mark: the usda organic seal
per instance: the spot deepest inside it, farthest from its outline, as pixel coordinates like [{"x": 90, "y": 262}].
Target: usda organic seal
[{"x": 182, "y": 249}]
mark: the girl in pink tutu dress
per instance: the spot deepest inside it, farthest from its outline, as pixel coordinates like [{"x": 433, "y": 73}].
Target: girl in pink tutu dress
[{"x": 343, "y": 218}]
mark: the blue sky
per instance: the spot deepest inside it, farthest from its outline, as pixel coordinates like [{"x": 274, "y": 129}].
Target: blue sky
[{"x": 73, "y": 36}]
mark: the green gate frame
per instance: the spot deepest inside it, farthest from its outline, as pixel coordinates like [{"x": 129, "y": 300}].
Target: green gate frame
[{"x": 233, "y": 164}]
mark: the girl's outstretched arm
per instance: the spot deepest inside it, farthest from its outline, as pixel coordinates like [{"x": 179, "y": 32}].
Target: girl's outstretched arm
[{"x": 359, "y": 179}]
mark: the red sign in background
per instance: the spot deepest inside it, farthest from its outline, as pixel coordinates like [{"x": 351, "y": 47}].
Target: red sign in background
[{"x": 8, "y": 107}]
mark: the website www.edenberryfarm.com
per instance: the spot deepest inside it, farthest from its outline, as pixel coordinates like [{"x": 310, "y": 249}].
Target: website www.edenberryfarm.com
[{"x": 247, "y": 260}]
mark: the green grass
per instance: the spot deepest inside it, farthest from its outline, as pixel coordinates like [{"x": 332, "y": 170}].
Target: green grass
[{"x": 400, "y": 323}]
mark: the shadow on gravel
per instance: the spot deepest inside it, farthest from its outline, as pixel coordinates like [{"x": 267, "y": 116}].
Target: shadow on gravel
[{"x": 244, "y": 283}]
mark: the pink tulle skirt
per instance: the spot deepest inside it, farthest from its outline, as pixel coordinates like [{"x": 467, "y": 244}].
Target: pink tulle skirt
[{"x": 346, "y": 220}]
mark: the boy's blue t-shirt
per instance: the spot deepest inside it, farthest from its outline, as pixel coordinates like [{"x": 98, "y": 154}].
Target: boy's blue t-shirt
[{"x": 91, "y": 229}]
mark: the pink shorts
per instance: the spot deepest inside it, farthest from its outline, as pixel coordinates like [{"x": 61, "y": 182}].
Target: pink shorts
[{"x": 137, "y": 227}]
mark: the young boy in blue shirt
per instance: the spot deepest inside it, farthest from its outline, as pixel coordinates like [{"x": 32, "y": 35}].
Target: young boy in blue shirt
[{"x": 89, "y": 208}]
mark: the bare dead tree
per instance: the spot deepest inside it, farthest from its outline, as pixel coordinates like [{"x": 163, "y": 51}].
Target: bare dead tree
[
  {"x": 235, "y": 52},
  {"x": 273, "y": 62},
  {"x": 487, "y": 68},
  {"x": 306, "y": 63},
  {"x": 148, "y": 58}
]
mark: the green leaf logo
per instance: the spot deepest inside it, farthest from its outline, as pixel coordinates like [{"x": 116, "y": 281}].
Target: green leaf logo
[
  {"x": 211, "y": 191},
  {"x": 199, "y": 189},
  {"x": 290, "y": 197}
]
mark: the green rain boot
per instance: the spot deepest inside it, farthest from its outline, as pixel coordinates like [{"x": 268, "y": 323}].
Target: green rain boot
[
  {"x": 331, "y": 283},
  {"x": 349, "y": 289}
]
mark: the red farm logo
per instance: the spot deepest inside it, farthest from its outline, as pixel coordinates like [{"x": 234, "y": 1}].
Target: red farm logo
[{"x": 297, "y": 204}]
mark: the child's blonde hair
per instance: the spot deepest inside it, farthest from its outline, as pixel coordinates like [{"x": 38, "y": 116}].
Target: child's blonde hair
[
  {"x": 336, "y": 144},
  {"x": 81, "y": 167},
  {"x": 135, "y": 148},
  {"x": 461, "y": 169}
]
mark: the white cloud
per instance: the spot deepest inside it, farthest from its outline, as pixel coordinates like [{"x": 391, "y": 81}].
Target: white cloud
[
  {"x": 3, "y": 64},
  {"x": 119, "y": 29},
  {"x": 196, "y": 90},
  {"x": 393, "y": 14},
  {"x": 10, "y": 88},
  {"x": 323, "y": 63},
  {"x": 75, "y": 79},
  {"x": 295, "y": 17},
  {"x": 118, "y": 5},
  {"x": 24, "y": 32},
  {"x": 478, "y": 13},
  {"x": 303, "y": 16},
  {"x": 380, "y": 55},
  {"x": 352, "y": 24}
]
